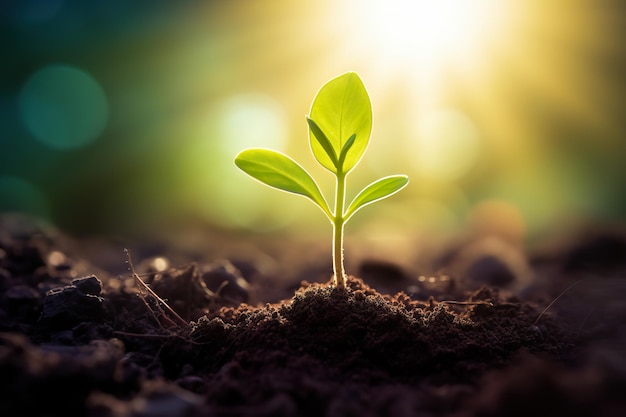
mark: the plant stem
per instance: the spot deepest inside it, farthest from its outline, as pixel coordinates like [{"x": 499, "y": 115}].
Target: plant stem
[{"x": 338, "y": 222}]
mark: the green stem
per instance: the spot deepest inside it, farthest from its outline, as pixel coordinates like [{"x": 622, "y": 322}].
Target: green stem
[{"x": 338, "y": 222}]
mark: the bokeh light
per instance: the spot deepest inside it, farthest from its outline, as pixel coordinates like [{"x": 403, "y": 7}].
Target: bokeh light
[
  {"x": 251, "y": 120},
  {"x": 128, "y": 115},
  {"x": 447, "y": 144},
  {"x": 63, "y": 107}
]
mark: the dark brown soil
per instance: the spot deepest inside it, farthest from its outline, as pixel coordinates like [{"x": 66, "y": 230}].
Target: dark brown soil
[{"x": 75, "y": 340}]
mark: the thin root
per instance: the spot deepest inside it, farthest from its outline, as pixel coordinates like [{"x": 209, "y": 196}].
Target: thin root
[{"x": 160, "y": 301}]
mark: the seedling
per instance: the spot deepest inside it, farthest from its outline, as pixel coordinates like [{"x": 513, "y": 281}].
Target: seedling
[{"x": 340, "y": 124}]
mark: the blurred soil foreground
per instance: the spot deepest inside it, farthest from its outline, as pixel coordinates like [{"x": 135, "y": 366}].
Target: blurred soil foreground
[{"x": 489, "y": 330}]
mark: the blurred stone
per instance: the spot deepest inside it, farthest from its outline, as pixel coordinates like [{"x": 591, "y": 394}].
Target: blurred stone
[
  {"x": 166, "y": 400},
  {"x": 5, "y": 277},
  {"x": 490, "y": 270},
  {"x": 225, "y": 279},
  {"x": 381, "y": 271},
  {"x": 90, "y": 285},
  {"x": 494, "y": 262},
  {"x": 598, "y": 253},
  {"x": 192, "y": 383},
  {"x": 67, "y": 306},
  {"x": 22, "y": 302}
]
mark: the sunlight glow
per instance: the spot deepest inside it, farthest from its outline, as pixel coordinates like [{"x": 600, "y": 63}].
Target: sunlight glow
[
  {"x": 427, "y": 29},
  {"x": 493, "y": 97},
  {"x": 427, "y": 35},
  {"x": 447, "y": 144}
]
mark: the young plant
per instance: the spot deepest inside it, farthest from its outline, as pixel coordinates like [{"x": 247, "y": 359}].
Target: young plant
[{"x": 340, "y": 124}]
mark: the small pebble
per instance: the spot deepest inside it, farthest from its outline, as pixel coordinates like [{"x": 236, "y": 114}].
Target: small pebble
[{"x": 88, "y": 285}]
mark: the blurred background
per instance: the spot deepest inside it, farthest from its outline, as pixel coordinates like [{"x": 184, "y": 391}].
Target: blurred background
[{"x": 122, "y": 117}]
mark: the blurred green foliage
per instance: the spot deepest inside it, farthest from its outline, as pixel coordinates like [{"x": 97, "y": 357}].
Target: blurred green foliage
[{"x": 142, "y": 105}]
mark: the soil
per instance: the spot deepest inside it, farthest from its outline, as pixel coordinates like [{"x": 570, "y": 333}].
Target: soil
[{"x": 76, "y": 340}]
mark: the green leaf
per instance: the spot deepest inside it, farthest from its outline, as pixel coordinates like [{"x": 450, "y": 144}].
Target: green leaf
[
  {"x": 342, "y": 108},
  {"x": 322, "y": 140},
  {"x": 280, "y": 171},
  {"x": 377, "y": 190},
  {"x": 346, "y": 148}
]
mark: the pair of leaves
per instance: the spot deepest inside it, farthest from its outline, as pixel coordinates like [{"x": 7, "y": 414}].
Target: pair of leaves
[
  {"x": 280, "y": 171},
  {"x": 340, "y": 123},
  {"x": 341, "y": 110}
]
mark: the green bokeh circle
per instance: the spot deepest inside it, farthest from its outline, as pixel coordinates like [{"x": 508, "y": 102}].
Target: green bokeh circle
[{"x": 63, "y": 107}]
